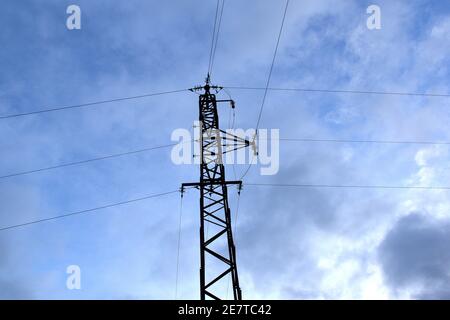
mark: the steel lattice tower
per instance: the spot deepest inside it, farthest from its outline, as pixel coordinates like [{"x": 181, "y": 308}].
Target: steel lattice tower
[{"x": 217, "y": 250}]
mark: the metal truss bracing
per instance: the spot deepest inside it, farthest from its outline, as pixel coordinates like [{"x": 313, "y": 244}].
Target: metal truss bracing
[{"x": 217, "y": 250}]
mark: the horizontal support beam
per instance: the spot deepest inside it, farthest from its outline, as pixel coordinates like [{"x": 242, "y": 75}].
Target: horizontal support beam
[{"x": 210, "y": 182}]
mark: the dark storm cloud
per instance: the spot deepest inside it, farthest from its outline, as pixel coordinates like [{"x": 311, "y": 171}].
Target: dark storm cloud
[{"x": 415, "y": 254}]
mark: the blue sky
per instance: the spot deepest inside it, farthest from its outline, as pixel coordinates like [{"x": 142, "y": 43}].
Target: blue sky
[{"x": 291, "y": 243}]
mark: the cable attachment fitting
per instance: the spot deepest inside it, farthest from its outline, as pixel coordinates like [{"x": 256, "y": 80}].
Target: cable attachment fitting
[
  {"x": 239, "y": 189},
  {"x": 182, "y": 191},
  {"x": 254, "y": 145}
]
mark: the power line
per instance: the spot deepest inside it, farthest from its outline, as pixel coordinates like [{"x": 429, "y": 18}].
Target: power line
[
  {"x": 87, "y": 161},
  {"x": 179, "y": 245},
  {"x": 364, "y": 141},
  {"x": 247, "y": 184},
  {"x": 271, "y": 67},
  {"x": 234, "y": 232},
  {"x": 213, "y": 38},
  {"x": 442, "y": 95},
  {"x": 89, "y": 104},
  {"x": 236, "y": 215},
  {"x": 87, "y": 210},
  {"x": 217, "y": 37},
  {"x": 267, "y": 86},
  {"x": 249, "y": 166},
  {"x": 312, "y": 140},
  {"x": 346, "y": 186}
]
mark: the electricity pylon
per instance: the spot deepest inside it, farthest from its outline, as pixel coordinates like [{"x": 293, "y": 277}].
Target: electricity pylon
[{"x": 217, "y": 250}]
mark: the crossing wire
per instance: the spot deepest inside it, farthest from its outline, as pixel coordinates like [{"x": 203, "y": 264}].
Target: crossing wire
[
  {"x": 267, "y": 86},
  {"x": 89, "y": 104},
  {"x": 338, "y": 186},
  {"x": 250, "y": 184},
  {"x": 271, "y": 67},
  {"x": 217, "y": 38},
  {"x": 419, "y": 94},
  {"x": 87, "y": 210},
  {"x": 307, "y": 140},
  {"x": 86, "y": 161},
  {"x": 213, "y": 37},
  {"x": 179, "y": 245}
]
